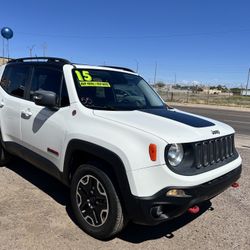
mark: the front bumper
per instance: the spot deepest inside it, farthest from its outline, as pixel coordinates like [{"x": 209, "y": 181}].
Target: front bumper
[{"x": 159, "y": 207}]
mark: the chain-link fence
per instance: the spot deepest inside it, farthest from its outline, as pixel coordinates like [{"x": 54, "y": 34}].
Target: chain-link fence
[{"x": 224, "y": 99}]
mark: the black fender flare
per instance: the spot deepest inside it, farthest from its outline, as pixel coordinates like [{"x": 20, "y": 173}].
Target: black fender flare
[{"x": 106, "y": 155}]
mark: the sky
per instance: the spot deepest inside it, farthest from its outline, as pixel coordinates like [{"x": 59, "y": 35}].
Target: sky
[{"x": 192, "y": 41}]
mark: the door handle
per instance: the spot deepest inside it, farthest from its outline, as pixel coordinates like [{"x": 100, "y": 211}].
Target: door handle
[
  {"x": 1, "y": 104},
  {"x": 27, "y": 113}
]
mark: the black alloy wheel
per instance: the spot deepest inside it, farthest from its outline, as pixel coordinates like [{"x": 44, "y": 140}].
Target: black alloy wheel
[
  {"x": 95, "y": 202},
  {"x": 92, "y": 200}
]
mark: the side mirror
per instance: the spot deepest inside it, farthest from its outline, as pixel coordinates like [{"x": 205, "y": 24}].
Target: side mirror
[{"x": 45, "y": 98}]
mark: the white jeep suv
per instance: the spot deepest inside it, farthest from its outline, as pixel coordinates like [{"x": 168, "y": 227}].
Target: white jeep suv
[{"x": 105, "y": 133}]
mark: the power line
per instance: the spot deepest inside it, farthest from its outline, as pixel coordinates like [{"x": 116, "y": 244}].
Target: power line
[{"x": 213, "y": 33}]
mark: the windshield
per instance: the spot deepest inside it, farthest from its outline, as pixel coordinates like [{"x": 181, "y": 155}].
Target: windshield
[{"x": 111, "y": 90}]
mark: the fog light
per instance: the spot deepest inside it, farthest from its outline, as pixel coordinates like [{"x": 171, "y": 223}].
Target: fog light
[{"x": 176, "y": 192}]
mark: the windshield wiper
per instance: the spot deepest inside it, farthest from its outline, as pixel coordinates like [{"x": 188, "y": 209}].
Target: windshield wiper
[
  {"x": 106, "y": 107},
  {"x": 110, "y": 107}
]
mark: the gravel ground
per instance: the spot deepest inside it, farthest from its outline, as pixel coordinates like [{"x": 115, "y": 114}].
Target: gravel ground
[{"x": 35, "y": 214}]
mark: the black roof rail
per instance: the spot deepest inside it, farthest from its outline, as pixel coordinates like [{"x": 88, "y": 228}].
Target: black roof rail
[
  {"x": 117, "y": 67},
  {"x": 39, "y": 59}
]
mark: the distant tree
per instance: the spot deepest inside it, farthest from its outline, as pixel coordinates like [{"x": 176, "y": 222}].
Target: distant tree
[
  {"x": 159, "y": 84},
  {"x": 177, "y": 86},
  {"x": 235, "y": 91},
  {"x": 184, "y": 87},
  {"x": 222, "y": 88},
  {"x": 213, "y": 87},
  {"x": 219, "y": 87},
  {"x": 196, "y": 88}
]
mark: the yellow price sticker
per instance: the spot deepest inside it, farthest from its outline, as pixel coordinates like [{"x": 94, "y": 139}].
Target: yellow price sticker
[
  {"x": 86, "y": 80},
  {"x": 84, "y": 76},
  {"x": 95, "y": 84}
]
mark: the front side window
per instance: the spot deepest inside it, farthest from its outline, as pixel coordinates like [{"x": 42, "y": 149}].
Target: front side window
[
  {"x": 46, "y": 79},
  {"x": 111, "y": 90},
  {"x": 50, "y": 79},
  {"x": 15, "y": 79}
]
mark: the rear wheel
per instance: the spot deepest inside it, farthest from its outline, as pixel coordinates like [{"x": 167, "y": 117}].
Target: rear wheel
[{"x": 95, "y": 202}]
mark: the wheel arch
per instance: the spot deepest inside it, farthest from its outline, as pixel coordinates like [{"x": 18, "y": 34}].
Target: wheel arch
[{"x": 79, "y": 152}]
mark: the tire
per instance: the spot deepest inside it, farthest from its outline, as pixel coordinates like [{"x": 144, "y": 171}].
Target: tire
[
  {"x": 4, "y": 155},
  {"x": 95, "y": 203}
]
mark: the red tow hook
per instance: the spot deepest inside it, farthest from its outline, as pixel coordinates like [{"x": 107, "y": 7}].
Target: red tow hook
[
  {"x": 235, "y": 185},
  {"x": 194, "y": 210}
]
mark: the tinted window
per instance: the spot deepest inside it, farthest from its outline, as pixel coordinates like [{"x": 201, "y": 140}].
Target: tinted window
[
  {"x": 46, "y": 79},
  {"x": 51, "y": 80},
  {"x": 15, "y": 79}
]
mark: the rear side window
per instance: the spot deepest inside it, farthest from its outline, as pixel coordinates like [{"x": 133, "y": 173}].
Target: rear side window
[{"x": 15, "y": 79}]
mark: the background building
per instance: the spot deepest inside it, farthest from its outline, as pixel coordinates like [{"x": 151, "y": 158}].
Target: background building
[{"x": 245, "y": 92}]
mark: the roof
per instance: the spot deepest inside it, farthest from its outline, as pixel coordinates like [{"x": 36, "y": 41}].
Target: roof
[
  {"x": 110, "y": 68},
  {"x": 41, "y": 59},
  {"x": 62, "y": 61}
]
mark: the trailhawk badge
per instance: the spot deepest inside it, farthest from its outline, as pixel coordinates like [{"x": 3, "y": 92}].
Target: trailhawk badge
[{"x": 215, "y": 132}]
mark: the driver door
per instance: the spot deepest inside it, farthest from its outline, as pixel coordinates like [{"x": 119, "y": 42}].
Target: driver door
[{"x": 41, "y": 127}]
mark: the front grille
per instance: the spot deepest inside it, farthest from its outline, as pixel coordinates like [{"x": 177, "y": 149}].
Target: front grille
[
  {"x": 203, "y": 156},
  {"x": 214, "y": 151}
]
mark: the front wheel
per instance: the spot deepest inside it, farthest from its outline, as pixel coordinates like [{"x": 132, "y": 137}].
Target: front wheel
[{"x": 95, "y": 203}]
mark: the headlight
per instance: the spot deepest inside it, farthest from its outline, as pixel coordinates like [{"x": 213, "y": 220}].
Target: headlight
[{"x": 175, "y": 154}]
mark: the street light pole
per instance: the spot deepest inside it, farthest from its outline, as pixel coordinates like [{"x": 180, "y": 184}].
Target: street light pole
[
  {"x": 247, "y": 81},
  {"x": 137, "y": 66},
  {"x": 155, "y": 73},
  {"x": 3, "y": 50},
  {"x": 31, "y": 49},
  {"x": 45, "y": 47}
]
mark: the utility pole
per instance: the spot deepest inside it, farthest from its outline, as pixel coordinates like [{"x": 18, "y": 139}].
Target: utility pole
[
  {"x": 8, "y": 50},
  {"x": 247, "y": 81},
  {"x": 3, "y": 50},
  {"x": 137, "y": 66},
  {"x": 45, "y": 47},
  {"x": 31, "y": 49},
  {"x": 175, "y": 78},
  {"x": 155, "y": 73}
]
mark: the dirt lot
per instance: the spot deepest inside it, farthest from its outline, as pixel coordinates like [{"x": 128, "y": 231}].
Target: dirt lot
[{"x": 34, "y": 214}]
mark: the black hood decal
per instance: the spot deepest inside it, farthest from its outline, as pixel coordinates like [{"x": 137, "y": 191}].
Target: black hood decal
[{"x": 180, "y": 117}]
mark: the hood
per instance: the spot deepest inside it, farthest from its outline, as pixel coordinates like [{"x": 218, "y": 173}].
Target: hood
[{"x": 171, "y": 125}]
